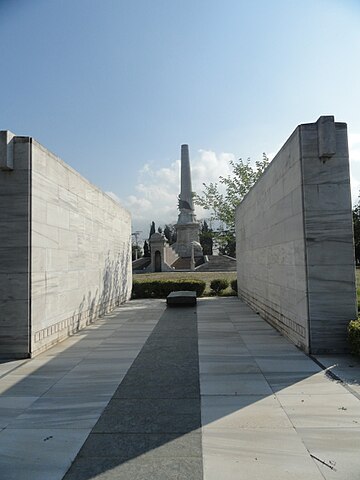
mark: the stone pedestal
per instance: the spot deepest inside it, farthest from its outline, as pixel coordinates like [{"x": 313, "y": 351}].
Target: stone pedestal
[{"x": 186, "y": 234}]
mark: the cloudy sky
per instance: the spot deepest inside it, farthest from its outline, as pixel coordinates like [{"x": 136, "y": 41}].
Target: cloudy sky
[{"x": 114, "y": 87}]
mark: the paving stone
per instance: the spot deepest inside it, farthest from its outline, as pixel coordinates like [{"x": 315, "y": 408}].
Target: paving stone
[
  {"x": 147, "y": 416},
  {"x": 239, "y": 384},
  {"x": 38, "y": 454},
  {"x": 296, "y": 383},
  {"x": 256, "y": 454},
  {"x": 100, "y": 468},
  {"x": 279, "y": 363},
  {"x": 61, "y": 413},
  {"x": 337, "y": 447},
  {"x": 128, "y": 446},
  {"x": 339, "y": 410},
  {"x": 243, "y": 411}
]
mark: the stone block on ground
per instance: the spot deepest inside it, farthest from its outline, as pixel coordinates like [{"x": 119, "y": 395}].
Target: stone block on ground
[{"x": 181, "y": 299}]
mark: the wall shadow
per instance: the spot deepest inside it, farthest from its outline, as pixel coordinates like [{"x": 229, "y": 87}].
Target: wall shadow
[{"x": 114, "y": 291}]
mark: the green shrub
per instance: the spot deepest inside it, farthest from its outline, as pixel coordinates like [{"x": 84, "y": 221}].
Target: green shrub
[
  {"x": 162, "y": 288},
  {"x": 218, "y": 284},
  {"x": 354, "y": 336},
  {"x": 233, "y": 284}
]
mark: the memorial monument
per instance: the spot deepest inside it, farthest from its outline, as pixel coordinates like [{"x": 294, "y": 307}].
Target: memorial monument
[
  {"x": 186, "y": 252},
  {"x": 187, "y": 227}
]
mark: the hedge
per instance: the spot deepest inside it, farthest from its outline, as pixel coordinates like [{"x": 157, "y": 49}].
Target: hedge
[
  {"x": 162, "y": 288},
  {"x": 354, "y": 336},
  {"x": 234, "y": 286},
  {"x": 218, "y": 284}
]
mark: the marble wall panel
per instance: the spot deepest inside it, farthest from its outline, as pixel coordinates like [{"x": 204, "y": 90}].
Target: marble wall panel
[
  {"x": 65, "y": 249},
  {"x": 295, "y": 241},
  {"x": 87, "y": 250},
  {"x": 14, "y": 249}
]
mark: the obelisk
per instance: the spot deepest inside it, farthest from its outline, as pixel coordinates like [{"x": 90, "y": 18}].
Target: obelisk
[
  {"x": 187, "y": 228},
  {"x": 186, "y": 205}
]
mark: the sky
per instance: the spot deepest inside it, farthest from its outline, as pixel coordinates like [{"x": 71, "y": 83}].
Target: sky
[{"x": 114, "y": 87}]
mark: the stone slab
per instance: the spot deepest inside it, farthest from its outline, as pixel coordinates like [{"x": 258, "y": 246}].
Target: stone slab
[
  {"x": 181, "y": 298},
  {"x": 141, "y": 468}
]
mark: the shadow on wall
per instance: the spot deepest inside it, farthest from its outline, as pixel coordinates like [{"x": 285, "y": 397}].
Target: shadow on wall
[{"x": 115, "y": 290}]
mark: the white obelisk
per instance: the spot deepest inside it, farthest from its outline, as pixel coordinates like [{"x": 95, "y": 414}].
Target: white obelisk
[
  {"x": 187, "y": 228},
  {"x": 186, "y": 205}
]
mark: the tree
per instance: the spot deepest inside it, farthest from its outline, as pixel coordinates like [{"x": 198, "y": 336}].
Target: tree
[
  {"x": 206, "y": 238},
  {"x": 146, "y": 249},
  {"x": 223, "y": 198},
  {"x": 356, "y": 222},
  {"x": 152, "y": 229},
  {"x": 159, "y": 229}
]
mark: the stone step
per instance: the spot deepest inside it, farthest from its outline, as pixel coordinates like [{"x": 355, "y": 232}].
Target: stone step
[{"x": 218, "y": 263}]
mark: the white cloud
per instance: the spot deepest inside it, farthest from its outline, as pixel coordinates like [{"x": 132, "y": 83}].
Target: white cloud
[
  {"x": 157, "y": 190},
  {"x": 354, "y": 156},
  {"x": 354, "y": 147}
]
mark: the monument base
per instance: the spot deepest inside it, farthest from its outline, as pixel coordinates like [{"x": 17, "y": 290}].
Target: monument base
[{"x": 187, "y": 234}]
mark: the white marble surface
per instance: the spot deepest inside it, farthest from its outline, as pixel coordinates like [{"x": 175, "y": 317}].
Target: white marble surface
[
  {"x": 295, "y": 253},
  {"x": 289, "y": 427},
  {"x": 303, "y": 417},
  {"x": 49, "y": 404}
]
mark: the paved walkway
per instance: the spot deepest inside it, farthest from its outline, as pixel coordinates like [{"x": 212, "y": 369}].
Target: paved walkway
[{"x": 197, "y": 393}]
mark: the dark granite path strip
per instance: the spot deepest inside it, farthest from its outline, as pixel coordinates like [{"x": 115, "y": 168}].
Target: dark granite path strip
[{"x": 151, "y": 426}]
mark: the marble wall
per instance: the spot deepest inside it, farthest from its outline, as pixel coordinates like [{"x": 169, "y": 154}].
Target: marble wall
[
  {"x": 14, "y": 245},
  {"x": 77, "y": 260},
  {"x": 295, "y": 241}
]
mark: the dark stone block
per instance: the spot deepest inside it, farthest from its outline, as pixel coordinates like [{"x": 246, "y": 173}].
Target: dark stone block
[{"x": 181, "y": 299}]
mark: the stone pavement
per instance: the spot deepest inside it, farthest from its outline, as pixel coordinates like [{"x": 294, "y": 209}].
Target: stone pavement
[{"x": 201, "y": 392}]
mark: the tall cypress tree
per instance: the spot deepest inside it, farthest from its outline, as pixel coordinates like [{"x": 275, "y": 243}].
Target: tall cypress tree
[{"x": 146, "y": 249}]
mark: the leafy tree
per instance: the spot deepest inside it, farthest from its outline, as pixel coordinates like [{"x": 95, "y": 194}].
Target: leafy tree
[
  {"x": 222, "y": 198},
  {"x": 146, "y": 249},
  {"x": 356, "y": 221},
  {"x": 206, "y": 238},
  {"x": 152, "y": 229},
  {"x": 160, "y": 230}
]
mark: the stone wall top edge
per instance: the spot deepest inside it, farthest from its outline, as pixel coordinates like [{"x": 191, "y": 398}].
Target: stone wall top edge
[
  {"x": 314, "y": 124},
  {"x": 8, "y": 131},
  {"x": 37, "y": 144}
]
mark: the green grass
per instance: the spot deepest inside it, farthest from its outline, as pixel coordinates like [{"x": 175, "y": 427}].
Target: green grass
[{"x": 205, "y": 276}]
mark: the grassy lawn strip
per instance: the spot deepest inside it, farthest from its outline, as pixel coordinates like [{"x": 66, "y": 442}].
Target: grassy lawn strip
[{"x": 205, "y": 276}]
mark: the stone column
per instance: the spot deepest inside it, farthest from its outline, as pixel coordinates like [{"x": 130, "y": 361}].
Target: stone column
[{"x": 186, "y": 189}]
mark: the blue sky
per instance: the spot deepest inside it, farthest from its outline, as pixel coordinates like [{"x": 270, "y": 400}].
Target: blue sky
[{"x": 115, "y": 87}]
